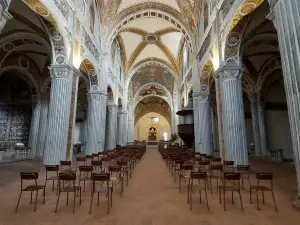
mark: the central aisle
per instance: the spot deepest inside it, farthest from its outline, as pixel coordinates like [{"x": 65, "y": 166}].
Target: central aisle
[{"x": 151, "y": 197}]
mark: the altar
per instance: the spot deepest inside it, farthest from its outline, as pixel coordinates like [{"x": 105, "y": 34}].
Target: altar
[{"x": 152, "y": 134}]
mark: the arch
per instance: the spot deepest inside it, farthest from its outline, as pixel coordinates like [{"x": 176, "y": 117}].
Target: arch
[
  {"x": 205, "y": 14},
  {"x": 58, "y": 42},
  {"x": 110, "y": 94},
  {"x": 149, "y": 62},
  {"x": 206, "y": 74},
  {"x": 168, "y": 98},
  {"x": 155, "y": 10},
  {"x": 88, "y": 67},
  {"x": 235, "y": 30}
]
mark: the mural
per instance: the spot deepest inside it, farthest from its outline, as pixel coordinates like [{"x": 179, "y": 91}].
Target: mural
[
  {"x": 152, "y": 90},
  {"x": 151, "y": 74},
  {"x": 92, "y": 18}
]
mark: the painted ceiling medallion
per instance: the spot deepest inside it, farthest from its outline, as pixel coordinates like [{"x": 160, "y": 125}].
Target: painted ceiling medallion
[{"x": 151, "y": 38}]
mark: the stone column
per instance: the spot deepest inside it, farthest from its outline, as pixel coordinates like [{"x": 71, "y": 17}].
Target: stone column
[
  {"x": 125, "y": 128},
  {"x": 111, "y": 134},
  {"x": 59, "y": 114},
  {"x": 205, "y": 123},
  {"x": 255, "y": 125},
  {"x": 285, "y": 15},
  {"x": 42, "y": 126},
  {"x": 35, "y": 122},
  {"x": 130, "y": 123},
  {"x": 262, "y": 128},
  {"x": 120, "y": 126},
  {"x": 94, "y": 123},
  {"x": 103, "y": 119},
  {"x": 196, "y": 121},
  {"x": 233, "y": 115}
]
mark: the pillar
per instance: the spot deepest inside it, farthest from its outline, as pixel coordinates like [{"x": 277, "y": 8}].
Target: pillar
[
  {"x": 94, "y": 123},
  {"x": 35, "y": 122},
  {"x": 205, "y": 123},
  {"x": 59, "y": 113},
  {"x": 285, "y": 12},
  {"x": 255, "y": 125},
  {"x": 125, "y": 128},
  {"x": 42, "y": 126},
  {"x": 234, "y": 130},
  {"x": 111, "y": 134},
  {"x": 120, "y": 126},
  {"x": 103, "y": 103},
  {"x": 196, "y": 121},
  {"x": 262, "y": 128},
  {"x": 130, "y": 123}
]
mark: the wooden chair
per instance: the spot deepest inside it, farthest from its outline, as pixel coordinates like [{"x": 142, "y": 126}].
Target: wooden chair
[
  {"x": 204, "y": 166},
  {"x": 85, "y": 174},
  {"x": 216, "y": 171},
  {"x": 115, "y": 173},
  {"x": 105, "y": 187},
  {"x": 198, "y": 176},
  {"x": 231, "y": 183},
  {"x": 260, "y": 177},
  {"x": 64, "y": 164},
  {"x": 80, "y": 161},
  {"x": 71, "y": 187},
  {"x": 97, "y": 165},
  {"x": 95, "y": 156},
  {"x": 216, "y": 161},
  {"x": 228, "y": 166},
  {"x": 185, "y": 173},
  {"x": 32, "y": 188},
  {"x": 52, "y": 169},
  {"x": 244, "y": 170},
  {"x": 88, "y": 159}
]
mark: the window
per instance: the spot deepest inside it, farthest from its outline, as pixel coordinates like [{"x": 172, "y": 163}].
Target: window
[{"x": 165, "y": 136}]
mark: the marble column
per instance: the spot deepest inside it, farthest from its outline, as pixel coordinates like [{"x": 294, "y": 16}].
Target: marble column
[
  {"x": 205, "y": 123},
  {"x": 94, "y": 123},
  {"x": 59, "y": 113},
  {"x": 111, "y": 132},
  {"x": 120, "y": 126},
  {"x": 262, "y": 128},
  {"x": 255, "y": 125},
  {"x": 35, "y": 122},
  {"x": 196, "y": 121},
  {"x": 130, "y": 123},
  {"x": 233, "y": 115},
  {"x": 285, "y": 15},
  {"x": 72, "y": 118},
  {"x": 125, "y": 128},
  {"x": 103, "y": 119},
  {"x": 43, "y": 126}
]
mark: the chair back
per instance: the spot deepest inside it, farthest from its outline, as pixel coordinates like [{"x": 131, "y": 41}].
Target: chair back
[
  {"x": 228, "y": 163},
  {"x": 96, "y": 163},
  {"x": 264, "y": 176},
  {"x": 85, "y": 168},
  {"x": 243, "y": 168},
  {"x": 199, "y": 175},
  {"x": 216, "y": 168},
  {"x": 52, "y": 168},
  {"x": 100, "y": 177},
  {"x": 65, "y": 163},
  {"x": 232, "y": 176},
  {"x": 29, "y": 176}
]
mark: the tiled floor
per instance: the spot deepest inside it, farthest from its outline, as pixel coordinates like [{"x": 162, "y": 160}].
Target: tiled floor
[{"x": 151, "y": 198}]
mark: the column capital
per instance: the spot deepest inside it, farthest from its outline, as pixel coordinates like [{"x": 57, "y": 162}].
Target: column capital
[
  {"x": 229, "y": 72},
  {"x": 60, "y": 71},
  {"x": 272, "y": 3},
  {"x": 261, "y": 106},
  {"x": 111, "y": 105},
  {"x": 94, "y": 95},
  {"x": 120, "y": 114},
  {"x": 204, "y": 96},
  {"x": 253, "y": 97}
]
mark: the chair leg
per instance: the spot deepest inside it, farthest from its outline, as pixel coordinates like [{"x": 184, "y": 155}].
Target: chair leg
[
  {"x": 232, "y": 197},
  {"x": 67, "y": 198},
  {"x": 98, "y": 199},
  {"x": 220, "y": 196},
  {"x": 224, "y": 199},
  {"x": 74, "y": 200},
  {"x": 80, "y": 196},
  {"x": 35, "y": 200},
  {"x": 257, "y": 200},
  {"x": 206, "y": 197},
  {"x": 241, "y": 201},
  {"x": 57, "y": 202},
  {"x": 31, "y": 197},
  {"x": 188, "y": 194},
  {"x": 263, "y": 195},
  {"x": 274, "y": 200},
  {"x": 191, "y": 198},
  {"x": 108, "y": 198},
  {"x": 44, "y": 195},
  {"x": 250, "y": 195},
  {"x": 18, "y": 201}
]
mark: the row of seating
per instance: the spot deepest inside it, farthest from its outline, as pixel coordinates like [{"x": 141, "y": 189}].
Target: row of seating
[
  {"x": 198, "y": 170},
  {"x": 103, "y": 171}
]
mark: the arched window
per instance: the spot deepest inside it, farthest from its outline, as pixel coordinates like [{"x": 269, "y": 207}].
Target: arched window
[{"x": 205, "y": 15}]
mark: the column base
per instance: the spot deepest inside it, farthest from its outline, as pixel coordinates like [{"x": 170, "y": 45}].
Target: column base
[{"x": 296, "y": 202}]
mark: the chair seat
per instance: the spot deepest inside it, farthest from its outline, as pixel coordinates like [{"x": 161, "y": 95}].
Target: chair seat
[
  {"x": 34, "y": 187},
  {"x": 114, "y": 178},
  {"x": 103, "y": 190},
  {"x": 86, "y": 178},
  {"x": 229, "y": 188},
  {"x": 260, "y": 188},
  {"x": 52, "y": 178},
  {"x": 70, "y": 189}
]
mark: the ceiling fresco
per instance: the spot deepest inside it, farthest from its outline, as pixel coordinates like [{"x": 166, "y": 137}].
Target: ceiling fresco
[
  {"x": 153, "y": 104},
  {"x": 152, "y": 74}
]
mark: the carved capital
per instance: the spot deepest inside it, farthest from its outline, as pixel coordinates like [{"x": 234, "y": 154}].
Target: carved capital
[
  {"x": 204, "y": 96},
  {"x": 272, "y": 3},
  {"x": 94, "y": 96},
  {"x": 111, "y": 106},
  {"x": 253, "y": 97},
  {"x": 60, "y": 71},
  {"x": 230, "y": 72},
  {"x": 120, "y": 114}
]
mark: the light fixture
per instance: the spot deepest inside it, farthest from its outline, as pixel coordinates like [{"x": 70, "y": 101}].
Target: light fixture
[{"x": 156, "y": 120}]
